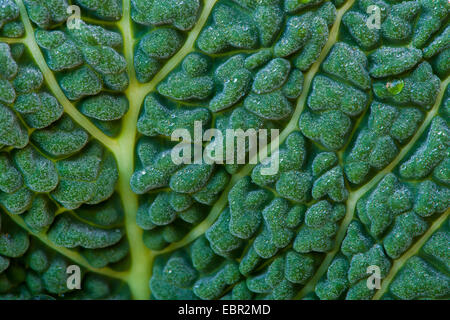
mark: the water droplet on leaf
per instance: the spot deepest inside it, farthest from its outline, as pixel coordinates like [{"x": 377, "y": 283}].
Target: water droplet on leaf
[{"x": 395, "y": 87}]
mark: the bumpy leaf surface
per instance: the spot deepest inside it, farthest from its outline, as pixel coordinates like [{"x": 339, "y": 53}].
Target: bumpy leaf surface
[{"x": 88, "y": 106}]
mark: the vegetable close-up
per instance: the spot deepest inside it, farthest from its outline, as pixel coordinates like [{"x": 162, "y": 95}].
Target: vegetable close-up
[{"x": 109, "y": 108}]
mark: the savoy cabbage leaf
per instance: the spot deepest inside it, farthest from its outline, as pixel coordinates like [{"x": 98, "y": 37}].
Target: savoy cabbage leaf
[{"x": 358, "y": 89}]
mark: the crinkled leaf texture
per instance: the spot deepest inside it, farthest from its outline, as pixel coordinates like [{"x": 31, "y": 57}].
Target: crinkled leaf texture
[{"x": 88, "y": 106}]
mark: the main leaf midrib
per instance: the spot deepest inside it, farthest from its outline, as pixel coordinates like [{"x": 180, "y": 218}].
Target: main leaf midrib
[{"x": 141, "y": 257}]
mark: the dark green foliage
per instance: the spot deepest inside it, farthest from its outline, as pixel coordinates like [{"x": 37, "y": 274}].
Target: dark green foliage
[{"x": 92, "y": 184}]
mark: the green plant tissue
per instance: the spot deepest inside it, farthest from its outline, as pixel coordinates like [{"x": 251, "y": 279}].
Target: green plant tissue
[{"x": 355, "y": 98}]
